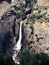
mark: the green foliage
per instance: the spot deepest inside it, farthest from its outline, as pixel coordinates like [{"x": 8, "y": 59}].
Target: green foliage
[
  {"x": 32, "y": 30},
  {"x": 25, "y": 58},
  {"x": 6, "y": 60},
  {"x": 31, "y": 17},
  {"x": 28, "y": 5},
  {"x": 28, "y": 58},
  {"x": 35, "y": 1},
  {"x": 38, "y": 16},
  {"x": 19, "y": 14}
]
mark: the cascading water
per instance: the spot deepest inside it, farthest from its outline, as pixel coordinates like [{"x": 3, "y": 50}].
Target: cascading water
[{"x": 17, "y": 47}]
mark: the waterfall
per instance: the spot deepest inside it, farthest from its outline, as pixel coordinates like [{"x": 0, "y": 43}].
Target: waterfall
[{"x": 17, "y": 47}]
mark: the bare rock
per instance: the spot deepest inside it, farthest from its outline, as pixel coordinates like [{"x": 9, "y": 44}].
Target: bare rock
[{"x": 41, "y": 36}]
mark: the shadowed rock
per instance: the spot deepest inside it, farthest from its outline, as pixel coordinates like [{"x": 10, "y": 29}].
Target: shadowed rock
[{"x": 7, "y": 29}]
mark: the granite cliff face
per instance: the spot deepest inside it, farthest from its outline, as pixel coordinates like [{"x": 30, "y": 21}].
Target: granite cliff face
[
  {"x": 43, "y": 2},
  {"x": 41, "y": 36},
  {"x": 35, "y": 27}
]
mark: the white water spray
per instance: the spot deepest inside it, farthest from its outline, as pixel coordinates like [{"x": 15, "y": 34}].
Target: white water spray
[{"x": 17, "y": 47}]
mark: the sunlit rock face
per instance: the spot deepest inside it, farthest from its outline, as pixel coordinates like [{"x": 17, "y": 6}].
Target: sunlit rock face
[
  {"x": 43, "y": 2},
  {"x": 13, "y": 2},
  {"x": 3, "y": 7},
  {"x": 27, "y": 31},
  {"x": 41, "y": 37},
  {"x": 37, "y": 35}
]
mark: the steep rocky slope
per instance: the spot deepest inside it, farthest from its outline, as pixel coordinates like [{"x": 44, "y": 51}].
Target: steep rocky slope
[{"x": 35, "y": 27}]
